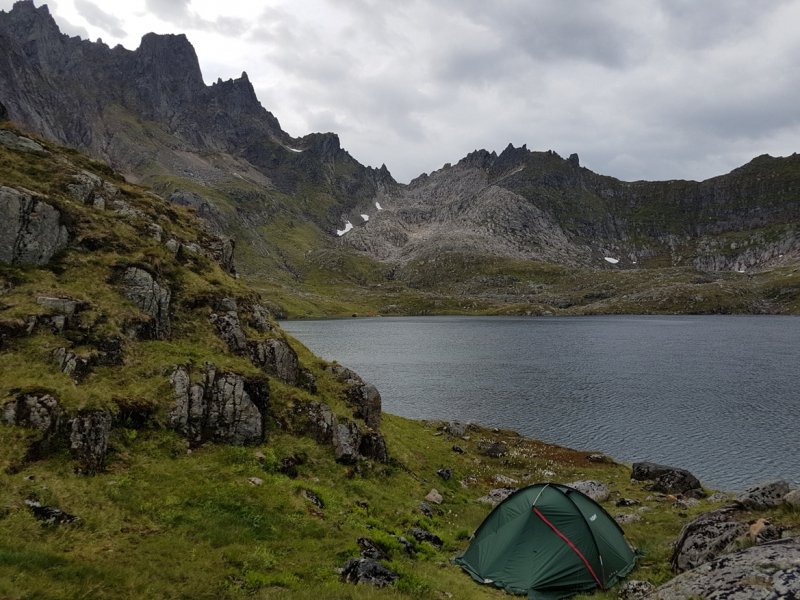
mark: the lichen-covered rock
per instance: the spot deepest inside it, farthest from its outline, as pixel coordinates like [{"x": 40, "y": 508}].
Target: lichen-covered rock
[
  {"x": 224, "y": 408},
  {"x": 456, "y": 428},
  {"x": 88, "y": 188},
  {"x": 346, "y": 442},
  {"x": 370, "y": 549},
  {"x": 368, "y": 571},
  {"x": 147, "y": 295},
  {"x": 260, "y": 319},
  {"x": 30, "y": 230},
  {"x": 596, "y": 490},
  {"x": 497, "y": 495},
  {"x": 88, "y": 441},
  {"x": 231, "y": 332},
  {"x": 763, "y": 495},
  {"x": 635, "y": 589},
  {"x": 373, "y": 445},
  {"x": 706, "y": 537},
  {"x": 277, "y": 358},
  {"x": 766, "y": 572},
  {"x": 496, "y": 450},
  {"x": 626, "y": 519},
  {"x": 434, "y": 496},
  {"x": 36, "y": 411},
  {"x": 667, "y": 480},
  {"x": 366, "y": 402}
]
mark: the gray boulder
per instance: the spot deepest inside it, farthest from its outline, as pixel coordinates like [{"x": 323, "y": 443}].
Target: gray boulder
[
  {"x": 276, "y": 358},
  {"x": 36, "y": 411},
  {"x": 366, "y": 402},
  {"x": 10, "y": 140},
  {"x": 497, "y": 495},
  {"x": 88, "y": 441},
  {"x": 792, "y": 499},
  {"x": 626, "y": 519},
  {"x": 456, "y": 428},
  {"x": 88, "y": 188},
  {"x": 766, "y": 572},
  {"x": 596, "y": 490},
  {"x": 706, "y": 537},
  {"x": 368, "y": 571},
  {"x": 667, "y": 480},
  {"x": 426, "y": 536},
  {"x": 496, "y": 450},
  {"x": 147, "y": 295},
  {"x": 260, "y": 319},
  {"x": 763, "y": 495},
  {"x": 344, "y": 374},
  {"x": 224, "y": 408},
  {"x": 231, "y": 332},
  {"x": 346, "y": 442},
  {"x": 446, "y": 473},
  {"x": 307, "y": 380},
  {"x": 30, "y": 230}
]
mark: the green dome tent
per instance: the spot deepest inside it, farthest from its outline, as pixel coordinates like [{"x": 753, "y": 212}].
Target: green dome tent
[{"x": 548, "y": 541}]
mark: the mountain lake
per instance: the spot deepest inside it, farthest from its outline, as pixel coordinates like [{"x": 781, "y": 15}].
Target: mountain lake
[{"x": 717, "y": 395}]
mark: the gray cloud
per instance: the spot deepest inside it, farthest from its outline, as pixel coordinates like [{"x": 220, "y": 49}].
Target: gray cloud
[
  {"x": 94, "y": 15},
  {"x": 177, "y": 12}
]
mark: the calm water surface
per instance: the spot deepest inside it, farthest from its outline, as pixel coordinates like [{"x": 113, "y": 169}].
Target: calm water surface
[{"x": 717, "y": 395}]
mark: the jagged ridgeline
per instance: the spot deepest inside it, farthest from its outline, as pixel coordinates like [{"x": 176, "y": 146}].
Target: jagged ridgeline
[{"x": 118, "y": 308}]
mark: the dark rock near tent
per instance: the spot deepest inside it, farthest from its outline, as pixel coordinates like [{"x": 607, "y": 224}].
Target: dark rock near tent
[
  {"x": 596, "y": 490},
  {"x": 370, "y": 549},
  {"x": 373, "y": 445},
  {"x": 445, "y": 474},
  {"x": 366, "y": 402},
  {"x": 288, "y": 467},
  {"x": 667, "y": 480},
  {"x": 368, "y": 571},
  {"x": 426, "y": 510},
  {"x": 276, "y": 358},
  {"x": 313, "y": 498},
  {"x": 635, "y": 589},
  {"x": 88, "y": 441},
  {"x": 496, "y": 450},
  {"x": 458, "y": 449},
  {"x": 763, "y": 495},
  {"x": 622, "y": 502},
  {"x": 426, "y": 536},
  {"x": 767, "y": 572},
  {"x": 50, "y": 515},
  {"x": 231, "y": 332},
  {"x": 706, "y": 537}
]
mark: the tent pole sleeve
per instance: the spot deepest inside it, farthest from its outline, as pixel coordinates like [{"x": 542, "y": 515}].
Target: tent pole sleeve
[{"x": 571, "y": 545}]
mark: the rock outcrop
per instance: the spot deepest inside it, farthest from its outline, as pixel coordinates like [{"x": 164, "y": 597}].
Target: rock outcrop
[
  {"x": 596, "y": 490},
  {"x": 667, "y": 480},
  {"x": 224, "y": 408},
  {"x": 366, "y": 402},
  {"x": 767, "y": 572},
  {"x": 40, "y": 411},
  {"x": 230, "y": 331},
  {"x": 277, "y": 358},
  {"x": 147, "y": 295},
  {"x": 30, "y": 229},
  {"x": 368, "y": 571}
]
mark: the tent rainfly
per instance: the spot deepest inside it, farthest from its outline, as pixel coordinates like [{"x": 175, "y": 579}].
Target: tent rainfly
[{"x": 548, "y": 541}]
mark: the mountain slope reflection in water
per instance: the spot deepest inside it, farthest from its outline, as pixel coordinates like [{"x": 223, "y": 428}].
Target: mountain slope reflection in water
[{"x": 717, "y": 395}]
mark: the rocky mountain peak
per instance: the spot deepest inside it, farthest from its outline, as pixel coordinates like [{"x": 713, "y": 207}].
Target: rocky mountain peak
[{"x": 170, "y": 61}]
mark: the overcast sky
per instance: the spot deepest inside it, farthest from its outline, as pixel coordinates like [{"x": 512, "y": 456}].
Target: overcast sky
[{"x": 640, "y": 89}]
